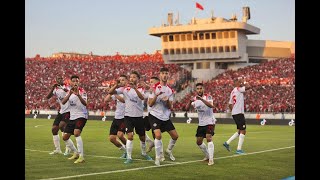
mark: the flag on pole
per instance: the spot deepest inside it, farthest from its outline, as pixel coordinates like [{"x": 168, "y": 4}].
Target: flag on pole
[{"x": 199, "y": 6}]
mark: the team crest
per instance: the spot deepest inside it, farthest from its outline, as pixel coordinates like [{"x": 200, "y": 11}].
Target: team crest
[{"x": 154, "y": 124}]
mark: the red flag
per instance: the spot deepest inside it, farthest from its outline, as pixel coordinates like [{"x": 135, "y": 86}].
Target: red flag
[{"x": 199, "y": 6}]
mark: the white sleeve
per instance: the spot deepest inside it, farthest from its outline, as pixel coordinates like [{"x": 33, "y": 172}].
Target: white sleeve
[
  {"x": 84, "y": 96},
  {"x": 230, "y": 100},
  {"x": 113, "y": 97},
  {"x": 242, "y": 89},
  {"x": 171, "y": 97},
  {"x": 119, "y": 90}
]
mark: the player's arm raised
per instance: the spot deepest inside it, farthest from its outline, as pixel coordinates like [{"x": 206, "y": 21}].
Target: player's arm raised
[
  {"x": 153, "y": 100},
  {"x": 119, "y": 98},
  {"x": 50, "y": 94},
  {"x": 207, "y": 103},
  {"x": 188, "y": 105},
  {"x": 112, "y": 90},
  {"x": 83, "y": 101},
  {"x": 65, "y": 99}
]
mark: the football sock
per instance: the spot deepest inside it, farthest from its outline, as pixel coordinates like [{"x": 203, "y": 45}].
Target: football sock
[
  {"x": 241, "y": 139},
  {"x": 80, "y": 145},
  {"x": 235, "y": 135}
]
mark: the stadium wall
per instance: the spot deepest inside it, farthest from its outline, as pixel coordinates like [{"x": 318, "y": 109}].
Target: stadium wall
[{"x": 181, "y": 117}]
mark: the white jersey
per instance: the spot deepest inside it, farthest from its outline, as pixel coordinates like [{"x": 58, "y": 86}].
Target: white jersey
[
  {"x": 77, "y": 109},
  {"x": 60, "y": 94},
  {"x": 159, "y": 109},
  {"x": 237, "y": 100},
  {"x": 205, "y": 113},
  {"x": 133, "y": 104},
  {"x": 120, "y": 107}
]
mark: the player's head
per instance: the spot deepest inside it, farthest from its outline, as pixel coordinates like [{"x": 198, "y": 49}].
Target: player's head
[
  {"x": 75, "y": 81},
  {"x": 134, "y": 77},
  {"x": 59, "y": 80},
  {"x": 237, "y": 82},
  {"x": 154, "y": 80},
  {"x": 123, "y": 80},
  {"x": 199, "y": 89},
  {"x": 164, "y": 74}
]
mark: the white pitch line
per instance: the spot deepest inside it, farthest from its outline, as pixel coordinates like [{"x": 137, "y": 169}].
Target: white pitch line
[
  {"x": 108, "y": 157},
  {"x": 178, "y": 163},
  {"x": 38, "y": 126}
]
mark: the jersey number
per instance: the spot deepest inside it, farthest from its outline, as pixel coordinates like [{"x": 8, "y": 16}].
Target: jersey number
[{"x": 234, "y": 99}]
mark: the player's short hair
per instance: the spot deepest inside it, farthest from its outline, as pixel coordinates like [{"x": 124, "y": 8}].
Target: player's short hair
[
  {"x": 136, "y": 73},
  {"x": 164, "y": 69},
  {"x": 199, "y": 84},
  {"x": 122, "y": 75},
  {"x": 74, "y": 76},
  {"x": 155, "y": 78}
]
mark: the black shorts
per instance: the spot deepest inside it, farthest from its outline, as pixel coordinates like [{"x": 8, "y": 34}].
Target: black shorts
[
  {"x": 136, "y": 123},
  {"x": 117, "y": 125},
  {"x": 61, "y": 117},
  {"x": 202, "y": 131},
  {"x": 156, "y": 123},
  {"x": 240, "y": 121},
  {"x": 75, "y": 124},
  {"x": 146, "y": 123}
]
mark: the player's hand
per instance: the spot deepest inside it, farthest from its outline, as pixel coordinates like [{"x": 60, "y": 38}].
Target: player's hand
[
  {"x": 75, "y": 90},
  {"x": 165, "y": 98},
  {"x": 130, "y": 84},
  {"x": 159, "y": 93}
]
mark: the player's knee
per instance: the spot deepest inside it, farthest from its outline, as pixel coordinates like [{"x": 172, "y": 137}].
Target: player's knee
[
  {"x": 55, "y": 130},
  {"x": 65, "y": 138},
  {"x": 175, "y": 137},
  {"x": 112, "y": 138}
]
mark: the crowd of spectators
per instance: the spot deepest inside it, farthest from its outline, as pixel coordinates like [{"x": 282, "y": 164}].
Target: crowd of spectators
[
  {"x": 96, "y": 74},
  {"x": 273, "y": 82},
  {"x": 273, "y": 87}
]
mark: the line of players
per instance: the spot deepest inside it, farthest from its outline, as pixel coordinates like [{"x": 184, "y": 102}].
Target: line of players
[{"x": 130, "y": 96}]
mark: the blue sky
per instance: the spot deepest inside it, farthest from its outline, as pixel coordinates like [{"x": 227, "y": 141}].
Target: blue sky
[{"x": 109, "y": 26}]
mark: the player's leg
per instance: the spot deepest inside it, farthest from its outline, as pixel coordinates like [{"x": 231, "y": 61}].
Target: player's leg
[
  {"x": 242, "y": 129},
  {"x": 201, "y": 133},
  {"x": 62, "y": 126},
  {"x": 80, "y": 123},
  {"x": 147, "y": 128},
  {"x": 55, "y": 135},
  {"x": 129, "y": 144},
  {"x": 209, "y": 137},
  {"x": 169, "y": 127},
  {"x": 123, "y": 148},
  {"x": 156, "y": 124},
  {"x": 233, "y": 137},
  {"x": 140, "y": 130},
  {"x": 113, "y": 133},
  {"x": 69, "y": 129}
]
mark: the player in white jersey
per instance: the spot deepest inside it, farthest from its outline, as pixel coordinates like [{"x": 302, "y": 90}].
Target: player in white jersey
[
  {"x": 153, "y": 81},
  {"x": 117, "y": 128},
  {"x": 77, "y": 98},
  {"x": 160, "y": 102},
  {"x": 236, "y": 106},
  {"x": 133, "y": 117},
  {"x": 203, "y": 104},
  {"x": 60, "y": 91}
]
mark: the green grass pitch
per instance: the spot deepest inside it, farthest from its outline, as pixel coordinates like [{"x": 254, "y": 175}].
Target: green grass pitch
[{"x": 270, "y": 154}]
